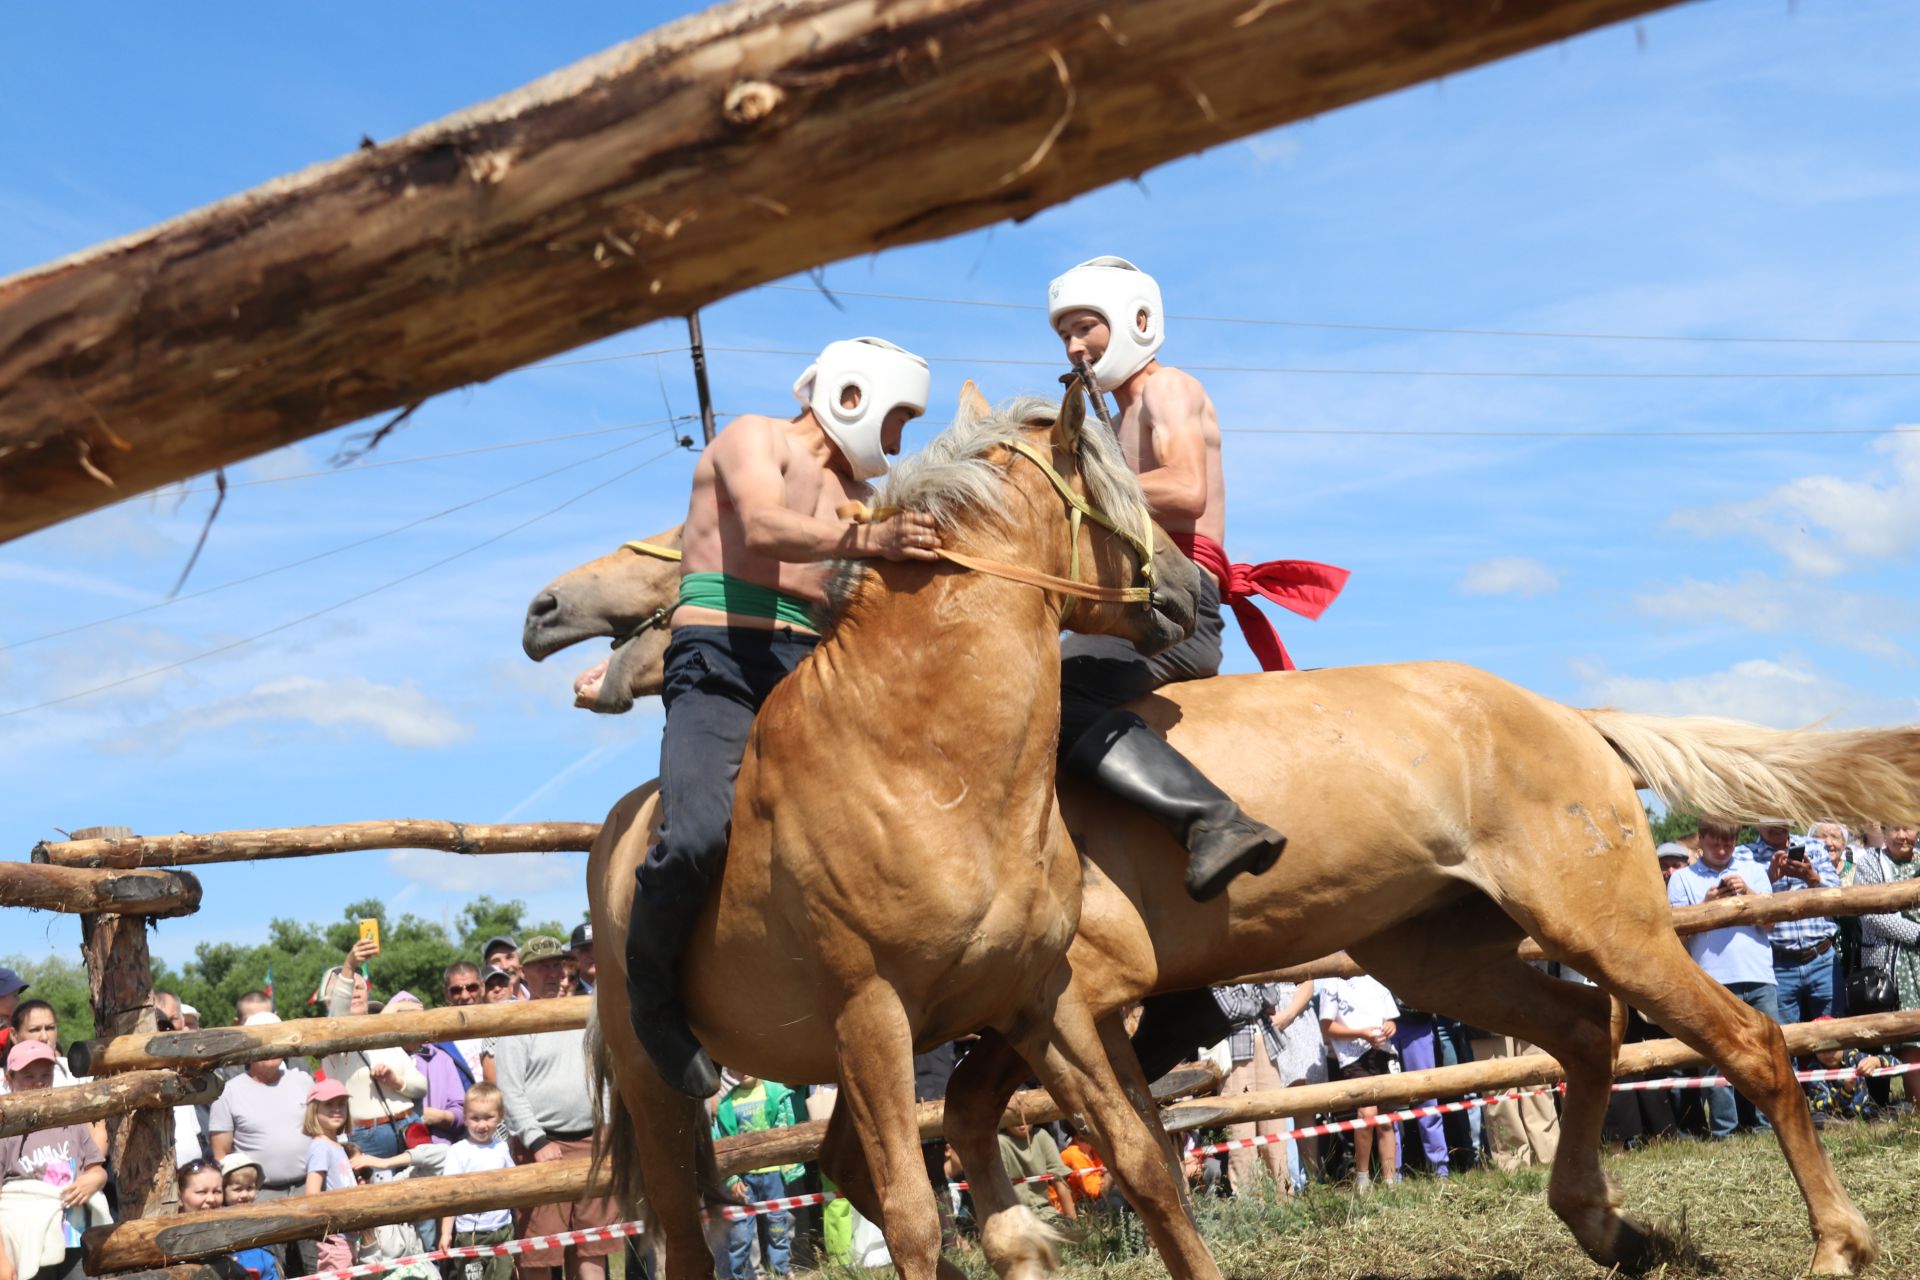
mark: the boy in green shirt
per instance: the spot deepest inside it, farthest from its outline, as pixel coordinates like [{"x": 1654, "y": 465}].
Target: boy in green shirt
[{"x": 754, "y": 1106}]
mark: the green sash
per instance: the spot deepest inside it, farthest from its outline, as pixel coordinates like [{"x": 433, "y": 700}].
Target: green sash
[{"x": 727, "y": 594}]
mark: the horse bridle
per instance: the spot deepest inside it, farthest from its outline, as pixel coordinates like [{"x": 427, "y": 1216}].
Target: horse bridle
[
  {"x": 658, "y": 618},
  {"x": 1078, "y": 510}
]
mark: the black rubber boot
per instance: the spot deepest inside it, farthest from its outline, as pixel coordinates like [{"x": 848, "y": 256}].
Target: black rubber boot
[
  {"x": 1127, "y": 758},
  {"x": 656, "y": 938}
]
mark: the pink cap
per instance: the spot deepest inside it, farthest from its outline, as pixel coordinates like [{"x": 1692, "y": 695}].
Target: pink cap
[
  {"x": 326, "y": 1091},
  {"x": 26, "y": 1051}
]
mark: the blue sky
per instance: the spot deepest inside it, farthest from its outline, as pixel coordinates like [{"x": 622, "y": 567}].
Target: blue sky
[{"x": 1741, "y": 168}]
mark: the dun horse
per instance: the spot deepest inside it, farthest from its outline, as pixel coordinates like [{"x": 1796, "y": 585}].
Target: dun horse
[{"x": 1437, "y": 815}]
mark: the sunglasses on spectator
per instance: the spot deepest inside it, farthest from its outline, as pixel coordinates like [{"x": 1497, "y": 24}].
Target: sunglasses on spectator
[{"x": 456, "y": 989}]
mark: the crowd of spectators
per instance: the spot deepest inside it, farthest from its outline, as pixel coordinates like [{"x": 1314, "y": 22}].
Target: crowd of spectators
[{"x": 283, "y": 1128}]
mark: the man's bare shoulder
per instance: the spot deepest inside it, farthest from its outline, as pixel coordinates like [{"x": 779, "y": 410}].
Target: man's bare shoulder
[
  {"x": 1173, "y": 396},
  {"x": 752, "y": 434}
]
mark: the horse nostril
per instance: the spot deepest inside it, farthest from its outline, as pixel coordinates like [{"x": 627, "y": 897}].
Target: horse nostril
[{"x": 544, "y": 605}]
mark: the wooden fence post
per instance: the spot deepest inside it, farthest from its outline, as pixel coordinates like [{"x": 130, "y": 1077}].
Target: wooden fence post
[{"x": 120, "y": 978}]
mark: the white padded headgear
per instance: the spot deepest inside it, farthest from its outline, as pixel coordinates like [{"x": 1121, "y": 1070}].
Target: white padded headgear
[
  {"x": 1119, "y": 291},
  {"x": 886, "y": 376}
]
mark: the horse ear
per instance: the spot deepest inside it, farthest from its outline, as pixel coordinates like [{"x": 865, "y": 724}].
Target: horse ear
[
  {"x": 1073, "y": 415},
  {"x": 972, "y": 403}
]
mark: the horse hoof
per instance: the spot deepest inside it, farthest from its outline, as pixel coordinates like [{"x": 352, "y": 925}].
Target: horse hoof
[{"x": 1846, "y": 1254}]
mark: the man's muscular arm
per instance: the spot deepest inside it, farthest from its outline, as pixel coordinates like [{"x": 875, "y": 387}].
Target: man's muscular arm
[
  {"x": 749, "y": 461},
  {"x": 1176, "y": 407}
]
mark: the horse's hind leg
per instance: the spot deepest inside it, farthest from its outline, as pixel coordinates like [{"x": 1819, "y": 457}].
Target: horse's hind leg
[
  {"x": 844, "y": 1160},
  {"x": 876, "y": 1097},
  {"x": 1655, "y": 975},
  {"x": 1073, "y": 1063},
  {"x": 1012, "y": 1237},
  {"x": 1460, "y": 960}
]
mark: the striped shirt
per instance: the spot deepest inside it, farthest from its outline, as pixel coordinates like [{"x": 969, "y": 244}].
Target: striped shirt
[{"x": 1797, "y": 935}]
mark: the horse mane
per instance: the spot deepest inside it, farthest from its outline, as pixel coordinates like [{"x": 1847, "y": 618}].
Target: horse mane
[{"x": 955, "y": 476}]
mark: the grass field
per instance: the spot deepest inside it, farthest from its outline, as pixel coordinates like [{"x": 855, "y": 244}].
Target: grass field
[{"x": 1735, "y": 1200}]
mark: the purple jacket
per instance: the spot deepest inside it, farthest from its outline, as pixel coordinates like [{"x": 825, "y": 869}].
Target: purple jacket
[{"x": 445, "y": 1091}]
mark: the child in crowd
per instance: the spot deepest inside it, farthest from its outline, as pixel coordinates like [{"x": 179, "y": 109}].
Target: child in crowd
[
  {"x": 48, "y": 1179},
  {"x": 483, "y": 1149},
  {"x": 328, "y": 1166},
  {"x": 240, "y": 1184},
  {"x": 1842, "y": 1099},
  {"x": 1357, "y": 1017}
]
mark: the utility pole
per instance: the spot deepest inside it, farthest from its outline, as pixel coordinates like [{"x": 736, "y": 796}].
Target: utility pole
[{"x": 700, "y": 373}]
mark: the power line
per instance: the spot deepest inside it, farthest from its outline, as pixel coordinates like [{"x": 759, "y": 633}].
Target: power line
[
  {"x": 413, "y": 458},
  {"x": 1383, "y": 328},
  {"x": 1601, "y": 374},
  {"x": 618, "y": 355},
  {"x": 1682, "y": 433},
  {"x": 322, "y": 555},
  {"x": 305, "y": 618}
]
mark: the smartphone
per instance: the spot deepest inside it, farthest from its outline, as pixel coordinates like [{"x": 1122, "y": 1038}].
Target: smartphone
[{"x": 370, "y": 932}]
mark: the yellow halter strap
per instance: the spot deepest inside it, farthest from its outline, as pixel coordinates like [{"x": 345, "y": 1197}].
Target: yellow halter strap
[{"x": 653, "y": 549}]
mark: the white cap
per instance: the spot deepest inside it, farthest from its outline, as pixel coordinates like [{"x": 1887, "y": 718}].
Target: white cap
[
  {"x": 885, "y": 376},
  {"x": 188, "y": 1011},
  {"x": 1119, "y": 292},
  {"x": 1674, "y": 849},
  {"x": 265, "y": 1018}
]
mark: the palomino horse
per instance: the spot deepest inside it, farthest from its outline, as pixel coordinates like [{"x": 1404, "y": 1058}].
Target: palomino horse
[
  {"x": 1437, "y": 813},
  {"x": 898, "y": 874}
]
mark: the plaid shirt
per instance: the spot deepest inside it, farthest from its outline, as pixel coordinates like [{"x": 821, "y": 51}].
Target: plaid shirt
[{"x": 1797, "y": 935}]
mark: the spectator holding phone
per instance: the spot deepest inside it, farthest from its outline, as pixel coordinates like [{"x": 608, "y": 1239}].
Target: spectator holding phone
[{"x": 1806, "y": 953}]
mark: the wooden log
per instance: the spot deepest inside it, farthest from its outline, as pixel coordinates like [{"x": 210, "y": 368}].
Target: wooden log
[
  {"x": 1408, "y": 1087},
  {"x": 120, "y": 980},
  {"x": 224, "y": 1268},
  {"x": 645, "y": 182},
  {"x": 800, "y": 1143},
  {"x": 306, "y": 842},
  {"x": 101, "y": 1099},
  {"x": 157, "y": 1244},
  {"x": 80, "y": 891},
  {"x": 1803, "y": 904},
  {"x": 223, "y": 1046}
]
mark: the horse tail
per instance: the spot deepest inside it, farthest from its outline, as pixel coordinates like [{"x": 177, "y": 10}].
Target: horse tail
[
  {"x": 1739, "y": 772},
  {"x": 614, "y": 1133}
]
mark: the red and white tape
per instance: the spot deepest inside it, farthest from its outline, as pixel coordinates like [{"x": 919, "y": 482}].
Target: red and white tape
[{"x": 620, "y": 1230}]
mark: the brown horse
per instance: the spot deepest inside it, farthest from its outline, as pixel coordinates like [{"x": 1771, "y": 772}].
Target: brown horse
[
  {"x": 930, "y": 889},
  {"x": 1438, "y": 814}
]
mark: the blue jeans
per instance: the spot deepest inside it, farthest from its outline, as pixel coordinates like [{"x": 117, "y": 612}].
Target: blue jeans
[
  {"x": 774, "y": 1229},
  {"x": 1722, "y": 1109},
  {"x": 383, "y": 1139},
  {"x": 1808, "y": 991}
]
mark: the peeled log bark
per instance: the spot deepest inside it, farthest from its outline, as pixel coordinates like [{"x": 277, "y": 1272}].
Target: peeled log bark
[
  {"x": 306, "y": 842},
  {"x": 81, "y": 892},
  {"x": 1409, "y": 1087},
  {"x": 221, "y": 1046},
  {"x": 99, "y": 1099},
  {"x": 1802, "y": 904},
  {"x": 645, "y": 182}
]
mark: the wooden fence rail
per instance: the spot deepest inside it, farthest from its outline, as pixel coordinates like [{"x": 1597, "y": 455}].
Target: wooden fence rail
[
  {"x": 225, "y": 1046},
  {"x": 307, "y": 842},
  {"x": 160, "y": 1242},
  {"x": 80, "y": 891},
  {"x": 99, "y": 1099},
  {"x": 1854, "y": 900}
]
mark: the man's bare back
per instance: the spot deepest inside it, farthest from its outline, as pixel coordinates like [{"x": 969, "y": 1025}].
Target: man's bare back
[{"x": 1171, "y": 437}]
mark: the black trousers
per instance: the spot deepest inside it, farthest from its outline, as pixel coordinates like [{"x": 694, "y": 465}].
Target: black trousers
[
  {"x": 715, "y": 680},
  {"x": 1099, "y": 673}
]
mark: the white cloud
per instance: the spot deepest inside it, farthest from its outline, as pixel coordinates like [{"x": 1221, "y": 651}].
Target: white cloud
[
  {"x": 1785, "y": 694},
  {"x": 1825, "y": 525},
  {"x": 401, "y": 714},
  {"x": 1280, "y": 147},
  {"x": 1509, "y": 576},
  {"x": 1759, "y": 602},
  {"x": 500, "y": 874}
]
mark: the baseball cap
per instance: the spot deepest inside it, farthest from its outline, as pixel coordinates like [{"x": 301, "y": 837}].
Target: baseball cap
[
  {"x": 326, "y": 1091},
  {"x": 1673, "y": 849},
  {"x": 501, "y": 974},
  {"x": 541, "y": 947},
  {"x": 234, "y": 1161},
  {"x": 499, "y": 942},
  {"x": 582, "y": 936},
  {"x": 11, "y": 983},
  {"x": 26, "y": 1051}
]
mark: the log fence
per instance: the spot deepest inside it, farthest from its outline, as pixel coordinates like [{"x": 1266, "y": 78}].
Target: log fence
[{"x": 116, "y": 882}]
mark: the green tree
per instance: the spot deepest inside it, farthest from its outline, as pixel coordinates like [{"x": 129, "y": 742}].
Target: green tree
[{"x": 1671, "y": 825}]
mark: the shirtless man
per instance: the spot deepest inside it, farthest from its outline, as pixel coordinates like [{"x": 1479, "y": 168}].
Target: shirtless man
[
  {"x": 1107, "y": 312},
  {"x": 760, "y": 530}
]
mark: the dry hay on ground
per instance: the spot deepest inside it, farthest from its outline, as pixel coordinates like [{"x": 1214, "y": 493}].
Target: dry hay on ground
[{"x": 1736, "y": 1199}]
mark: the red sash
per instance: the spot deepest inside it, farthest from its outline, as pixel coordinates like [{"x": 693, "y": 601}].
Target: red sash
[{"x": 1305, "y": 587}]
